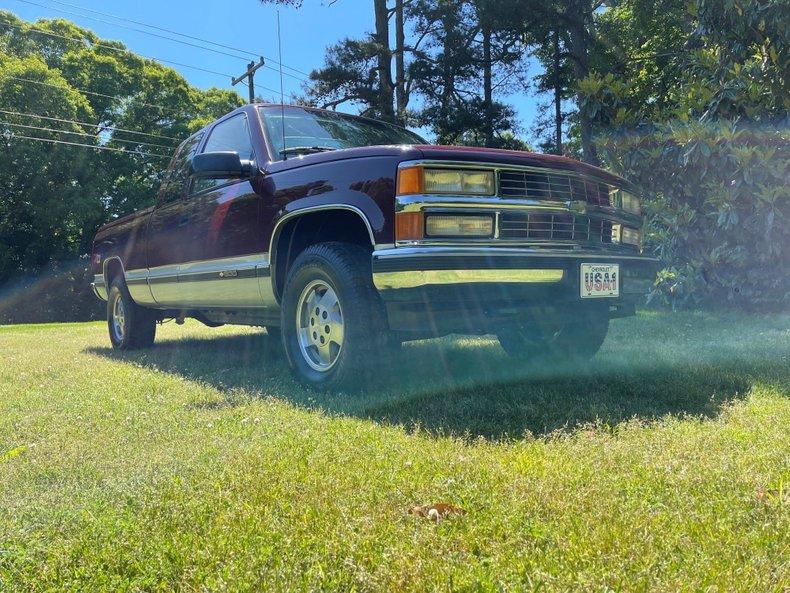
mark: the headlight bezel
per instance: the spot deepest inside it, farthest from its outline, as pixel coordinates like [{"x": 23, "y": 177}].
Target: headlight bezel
[
  {"x": 630, "y": 202},
  {"x": 487, "y": 227},
  {"x": 425, "y": 180}
]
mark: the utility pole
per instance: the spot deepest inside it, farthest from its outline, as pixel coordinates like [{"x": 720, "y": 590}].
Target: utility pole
[{"x": 249, "y": 74}]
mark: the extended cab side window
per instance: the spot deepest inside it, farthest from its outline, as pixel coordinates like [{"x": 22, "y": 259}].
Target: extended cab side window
[
  {"x": 178, "y": 171},
  {"x": 230, "y": 135}
]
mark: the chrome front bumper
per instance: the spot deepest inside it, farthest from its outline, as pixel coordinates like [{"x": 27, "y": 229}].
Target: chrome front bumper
[{"x": 400, "y": 268}]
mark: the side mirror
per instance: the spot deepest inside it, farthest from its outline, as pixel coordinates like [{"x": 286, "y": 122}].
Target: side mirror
[{"x": 220, "y": 165}]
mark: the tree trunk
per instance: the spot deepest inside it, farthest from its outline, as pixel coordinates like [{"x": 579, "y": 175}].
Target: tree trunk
[
  {"x": 557, "y": 95},
  {"x": 579, "y": 48},
  {"x": 487, "y": 90},
  {"x": 400, "y": 69},
  {"x": 384, "y": 60},
  {"x": 448, "y": 80}
]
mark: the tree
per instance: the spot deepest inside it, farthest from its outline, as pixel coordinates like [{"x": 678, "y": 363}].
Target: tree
[
  {"x": 360, "y": 70},
  {"x": 54, "y": 196},
  {"x": 694, "y": 122}
]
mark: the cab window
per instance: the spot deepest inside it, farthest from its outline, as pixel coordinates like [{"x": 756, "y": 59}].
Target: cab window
[
  {"x": 178, "y": 172},
  {"x": 231, "y": 135}
]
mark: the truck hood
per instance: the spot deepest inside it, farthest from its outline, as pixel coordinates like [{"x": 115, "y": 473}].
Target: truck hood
[
  {"x": 515, "y": 157},
  {"x": 450, "y": 153},
  {"x": 404, "y": 152}
]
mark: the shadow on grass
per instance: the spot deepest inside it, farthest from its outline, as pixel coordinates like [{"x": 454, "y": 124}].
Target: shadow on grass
[{"x": 649, "y": 368}]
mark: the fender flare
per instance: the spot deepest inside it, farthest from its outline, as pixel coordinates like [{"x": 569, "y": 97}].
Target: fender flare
[
  {"x": 104, "y": 270},
  {"x": 281, "y": 222}
]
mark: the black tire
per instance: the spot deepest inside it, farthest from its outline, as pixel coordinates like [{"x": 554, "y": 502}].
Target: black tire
[
  {"x": 358, "y": 313},
  {"x": 136, "y": 327},
  {"x": 575, "y": 339}
]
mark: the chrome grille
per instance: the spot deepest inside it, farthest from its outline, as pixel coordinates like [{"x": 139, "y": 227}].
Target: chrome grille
[
  {"x": 541, "y": 226},
  {"x": 560, "y": 187}
]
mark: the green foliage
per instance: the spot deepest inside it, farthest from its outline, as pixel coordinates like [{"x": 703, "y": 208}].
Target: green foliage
[
  {"x": 444, "y": 71},
  {"x": 707, "y": 141},
  {"x": 53, "y": 197},
  {"x": 349, "y": 75},
  {"x": 720, "y": 209}
]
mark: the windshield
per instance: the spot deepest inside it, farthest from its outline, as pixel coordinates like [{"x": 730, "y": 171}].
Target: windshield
[{"x": 313, "y": 130}]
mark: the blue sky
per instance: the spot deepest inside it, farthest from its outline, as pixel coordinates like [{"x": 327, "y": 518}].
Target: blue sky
[{"x": 244, "y": 24}]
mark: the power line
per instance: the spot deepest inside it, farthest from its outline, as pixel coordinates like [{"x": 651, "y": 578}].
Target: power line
[
  {"x": 107, "y": 148},
  {"x": 172, "y": 32},
  {"x": 57, "y": 86},
  {"x": 82, "y": 123},
  {"x": 43, "y": 129},
  {"x": 144, "y": 32},
  {"x": 117, "y": 49},
  {"x": 114, "y": 97},
  {"x": 98, "y": 20}
]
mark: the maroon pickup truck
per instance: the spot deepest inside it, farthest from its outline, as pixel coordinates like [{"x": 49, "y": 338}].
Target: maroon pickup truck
[{"x": 347, "y": 236}]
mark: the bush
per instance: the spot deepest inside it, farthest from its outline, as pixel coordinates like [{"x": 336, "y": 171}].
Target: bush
[
  {"x": 718, "y": 208},
  {"x": 60, "y": 294}
]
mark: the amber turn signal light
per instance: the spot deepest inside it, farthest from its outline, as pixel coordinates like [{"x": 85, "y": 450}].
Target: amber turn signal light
[
  {"x": 409, "y": 226},
  {"x": 410, "y": 181}
]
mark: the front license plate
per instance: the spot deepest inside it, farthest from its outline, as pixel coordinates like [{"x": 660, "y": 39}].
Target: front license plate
[{"x": 599, "y": 281}]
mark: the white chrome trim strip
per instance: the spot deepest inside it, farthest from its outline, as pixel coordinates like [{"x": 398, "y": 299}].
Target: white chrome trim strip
[
  {"x": 415, "y": 279},
  {"x": 407, "y": 252},
  {"x": 223, "y": 264},
  {"x": 175, "y": 285}
]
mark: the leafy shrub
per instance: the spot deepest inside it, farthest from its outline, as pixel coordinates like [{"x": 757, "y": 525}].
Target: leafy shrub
[
  {"x": 62, "y": 293},
  {"x": 718, "y": 207}
]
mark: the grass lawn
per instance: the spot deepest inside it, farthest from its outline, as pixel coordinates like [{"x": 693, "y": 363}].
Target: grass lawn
[{"x": 201, "y": 465}]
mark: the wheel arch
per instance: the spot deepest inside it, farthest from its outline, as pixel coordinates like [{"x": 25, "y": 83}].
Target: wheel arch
[
  {"x": 113, "y": 268},
  {"x": 285, "y": 245}
]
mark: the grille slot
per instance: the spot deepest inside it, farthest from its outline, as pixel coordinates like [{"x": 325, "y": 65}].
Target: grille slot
[
  {"x": 559, "y": 187},
  {"x": 539, "y": 226}
]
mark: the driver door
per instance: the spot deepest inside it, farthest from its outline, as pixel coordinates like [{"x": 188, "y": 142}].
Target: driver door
[
  {"x": 170, "y": 234},
  {"x": 225, "y": 223}
]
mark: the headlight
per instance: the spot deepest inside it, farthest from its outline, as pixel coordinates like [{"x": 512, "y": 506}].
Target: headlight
[
  {"x": 630, "y": 203},
  {"x": 631, "y": 237},
  {"x": 626, "y": 235},
  {"x": 442, "y": 225},
  {"x": 416, "y": 180},
  {"x": 458, "y": 181}
]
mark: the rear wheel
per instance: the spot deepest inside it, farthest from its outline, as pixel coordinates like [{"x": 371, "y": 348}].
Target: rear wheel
[
  {"x": 130, "y": 325},
  {"x": 333, "y": 327},
  {"x": 574, "y": 338}
]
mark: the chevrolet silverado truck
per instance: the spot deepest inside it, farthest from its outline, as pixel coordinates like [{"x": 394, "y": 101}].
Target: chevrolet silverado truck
[{"x": 345, "y": 236}]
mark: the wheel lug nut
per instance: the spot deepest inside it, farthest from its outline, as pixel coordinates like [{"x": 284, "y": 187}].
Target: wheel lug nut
[{"x": 326, "y": 329}]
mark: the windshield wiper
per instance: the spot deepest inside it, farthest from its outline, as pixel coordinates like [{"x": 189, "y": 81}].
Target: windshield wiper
[{"x": 307, "y": 149}]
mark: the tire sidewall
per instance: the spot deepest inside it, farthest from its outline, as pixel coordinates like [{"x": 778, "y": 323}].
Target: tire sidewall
[
  {"x": 357, "y": 318},
  {"x": 117, "y": 292}
]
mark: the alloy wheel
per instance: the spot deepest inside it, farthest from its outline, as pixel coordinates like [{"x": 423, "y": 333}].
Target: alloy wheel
[
  {"x": 319, "y": 325},
  {"x": 118, "y": 318}
]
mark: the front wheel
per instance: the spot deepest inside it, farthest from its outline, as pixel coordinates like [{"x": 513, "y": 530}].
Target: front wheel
[
  {"x": 130, "y": 325},
  {"x": 333, "y": 327}
]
